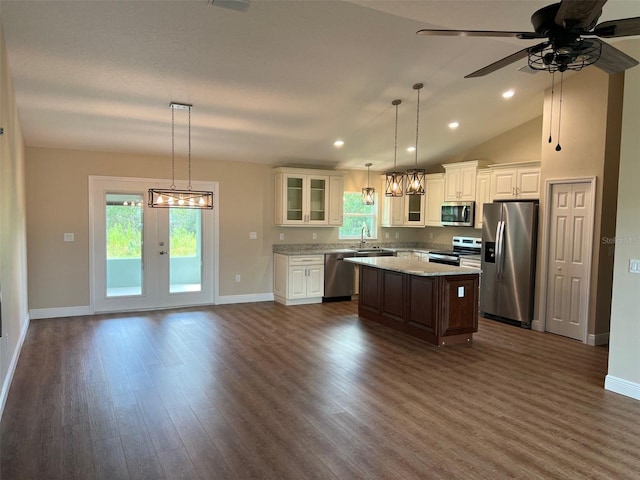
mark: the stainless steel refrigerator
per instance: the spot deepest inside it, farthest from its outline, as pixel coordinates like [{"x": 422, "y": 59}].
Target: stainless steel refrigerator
[{"x": 509, "y": 233}]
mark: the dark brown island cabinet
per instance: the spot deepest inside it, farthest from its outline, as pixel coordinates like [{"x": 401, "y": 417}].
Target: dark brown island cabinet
[{"x": 434, "y": 302}]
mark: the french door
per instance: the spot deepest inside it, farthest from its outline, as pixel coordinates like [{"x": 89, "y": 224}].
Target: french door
[{"x": 144, "y": 258}]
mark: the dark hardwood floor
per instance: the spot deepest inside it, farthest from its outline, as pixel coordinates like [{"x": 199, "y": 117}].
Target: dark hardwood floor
[{"x": 306, "y": 392}]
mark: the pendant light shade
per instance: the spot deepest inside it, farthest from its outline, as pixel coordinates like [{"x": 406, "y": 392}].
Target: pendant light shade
[
  {"x": 368, "y": 193},
  {"x": 172, "y": 197},
  {"x": 394, "y": 179},
  {"x": 415, "y": 176}
]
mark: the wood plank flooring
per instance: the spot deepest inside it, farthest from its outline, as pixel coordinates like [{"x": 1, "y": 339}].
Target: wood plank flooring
[{"x": 307, "y": 392}]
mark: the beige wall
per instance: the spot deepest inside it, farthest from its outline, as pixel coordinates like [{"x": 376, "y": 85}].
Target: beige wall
[
  {"x": 624, "y": 354},
  {"x": 59, "y": 271},
  {"x": 520, "y": 144},
  {"x": 13, "y": 279},
  {"x": 589, "y": 148}
]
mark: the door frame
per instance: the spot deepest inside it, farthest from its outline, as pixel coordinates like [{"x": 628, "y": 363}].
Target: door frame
[
  {"x": 213, "y": 185},
  {"x": 541, "y": 323}
]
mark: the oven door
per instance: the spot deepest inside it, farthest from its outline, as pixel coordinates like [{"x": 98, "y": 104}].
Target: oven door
[{"x": 458, "y": 214}]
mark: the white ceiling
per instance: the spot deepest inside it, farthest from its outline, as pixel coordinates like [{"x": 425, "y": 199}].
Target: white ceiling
[{"x": 277, "y": 83}]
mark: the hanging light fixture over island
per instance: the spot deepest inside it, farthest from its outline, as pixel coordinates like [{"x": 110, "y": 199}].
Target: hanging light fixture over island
[
  {"x": 415, "y": 176},
  {"x": 394, "y": 179}
]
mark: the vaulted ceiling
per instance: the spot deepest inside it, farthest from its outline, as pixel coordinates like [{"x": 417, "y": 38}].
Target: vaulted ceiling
[{"x": 277, "y": 83}]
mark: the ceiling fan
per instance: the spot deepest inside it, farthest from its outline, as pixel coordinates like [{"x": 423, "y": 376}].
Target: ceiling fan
[{"x": 570, "y": 29}]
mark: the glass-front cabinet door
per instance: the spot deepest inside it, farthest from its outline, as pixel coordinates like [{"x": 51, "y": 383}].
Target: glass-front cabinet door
[
  {"x": 317, "y": 200},
  {"x": 306, "y": 199},
  {"x": 414, "y": 209}
]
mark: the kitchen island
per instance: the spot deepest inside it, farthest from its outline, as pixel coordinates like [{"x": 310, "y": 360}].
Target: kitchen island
[{"x": 431, "y": 301}]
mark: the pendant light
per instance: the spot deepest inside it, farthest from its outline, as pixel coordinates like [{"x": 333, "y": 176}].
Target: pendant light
[
  {"x": 172, "y": 197},
  {"x": 368, "y": 193},
  {"x": 393, "y": 184},
  {"x": 415, "y": 176}
]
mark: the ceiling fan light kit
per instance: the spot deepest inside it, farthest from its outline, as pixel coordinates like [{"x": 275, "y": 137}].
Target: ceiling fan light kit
[
  {"x": 564, "y": 25},
  {"x": 172, "y": 197}
]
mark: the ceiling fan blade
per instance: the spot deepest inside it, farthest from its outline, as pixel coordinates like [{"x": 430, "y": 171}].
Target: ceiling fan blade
[
  {"x": 478, "y": 33},
  {"x": 503, "y": 62},
  {"x": 624, "y": 27},
  {"x": 579, "y": 13},
  {"x": 613, "y": 60}
]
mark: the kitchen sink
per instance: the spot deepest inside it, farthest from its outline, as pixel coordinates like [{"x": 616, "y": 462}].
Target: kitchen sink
[{"x": 374, "y": 252}]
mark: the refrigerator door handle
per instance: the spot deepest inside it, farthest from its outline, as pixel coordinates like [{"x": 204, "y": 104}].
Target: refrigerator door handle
[{"x": 500, "y": 249}]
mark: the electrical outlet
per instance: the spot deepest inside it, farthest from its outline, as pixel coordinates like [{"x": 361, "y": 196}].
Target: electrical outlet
[
  {"x": 386, "y": 235},
  {"x": 314, "y": 236},
  {"x": 282, "y": 236},
  {"x": 397, "y": 235},
  {"x": 634, "y": 265},
  {"x": 69, "y": 237},
  {"x": 237, "y": 278},
  {"x": 253, "y": 235},
  {"x": 430, "y": 235}
]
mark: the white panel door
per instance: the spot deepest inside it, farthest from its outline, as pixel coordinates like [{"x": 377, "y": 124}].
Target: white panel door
[{"x": 569, "y": 267}]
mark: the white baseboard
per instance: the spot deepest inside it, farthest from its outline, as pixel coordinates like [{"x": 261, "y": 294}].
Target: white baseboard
[
  {"x": 537, "y": 325},
  {"x": 60, "y": 312},
  {"x": 248, "y": 298},
  {"x": 12, "y": 366},
  {"x": 598, "y": 339},
  {"x": 621, "y": 386}
]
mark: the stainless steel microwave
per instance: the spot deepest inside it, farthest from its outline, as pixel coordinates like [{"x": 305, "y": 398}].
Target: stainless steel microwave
[{"x": 457, "y": 214}]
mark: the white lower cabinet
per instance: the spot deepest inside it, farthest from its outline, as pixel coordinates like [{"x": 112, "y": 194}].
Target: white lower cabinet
[{"x": 298, "y": 279}]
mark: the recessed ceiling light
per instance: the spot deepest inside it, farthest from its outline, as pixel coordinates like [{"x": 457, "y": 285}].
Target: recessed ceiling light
[
  {"x": 338, "y": 143},
  {"x": 411, "y": 149},
  {"x": 508, "y": 94},
  {"x": 454, "y": 125}
]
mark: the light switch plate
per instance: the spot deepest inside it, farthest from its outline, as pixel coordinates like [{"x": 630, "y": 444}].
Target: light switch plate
[
  {"x": 69, "y": 237},
  {"x": 634, "y": 265},
  {"x": 460, "y": 292},
  {"x": 253, "y": 235}
]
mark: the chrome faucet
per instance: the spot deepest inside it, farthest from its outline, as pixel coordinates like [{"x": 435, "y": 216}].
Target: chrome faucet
[{"x": 363, "y": 231}]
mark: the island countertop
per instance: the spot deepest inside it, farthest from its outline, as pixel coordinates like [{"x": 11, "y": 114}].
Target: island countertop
[{"x": 413, "y": 267}]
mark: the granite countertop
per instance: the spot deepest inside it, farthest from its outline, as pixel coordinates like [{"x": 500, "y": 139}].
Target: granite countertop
[
  {"x": 322, "y": 248},
  {"x": 413, "y": 267}
]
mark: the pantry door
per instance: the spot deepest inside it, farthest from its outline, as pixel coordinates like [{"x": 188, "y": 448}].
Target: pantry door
[{"x": 145, "y": 258}]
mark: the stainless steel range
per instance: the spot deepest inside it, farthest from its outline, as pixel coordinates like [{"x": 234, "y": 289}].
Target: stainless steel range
[{"x": 465, "y": 252}]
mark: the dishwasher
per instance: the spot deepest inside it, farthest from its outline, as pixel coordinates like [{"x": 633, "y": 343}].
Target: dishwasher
[{"x": 339, "y": 276}]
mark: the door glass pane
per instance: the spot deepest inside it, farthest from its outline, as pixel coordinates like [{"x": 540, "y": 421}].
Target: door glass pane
[
  {"x": 185, "y": 261},
  {"x": 294, "y": 198},
  {"x": 316, "y": 212},
  {"x": 124, "y": 244}
]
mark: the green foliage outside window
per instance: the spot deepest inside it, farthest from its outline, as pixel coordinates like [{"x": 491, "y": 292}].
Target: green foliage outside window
[
  {"x": 355, "y": 215},
  {"x": 124, "y": 232}
]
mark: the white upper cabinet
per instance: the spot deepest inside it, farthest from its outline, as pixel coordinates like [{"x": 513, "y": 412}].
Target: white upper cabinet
[
  {"x": 515, "y": 181},
  {"x": 434, "y": 186},
  {"x": 304, "y": 198},
  {"x": 405, "y": 211},
  {"x": 391, "y": 208},
  {"x": 336, "y": 200},
  {"x": 483, "y": 194},
  {"x": 460, "y": 181}
]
